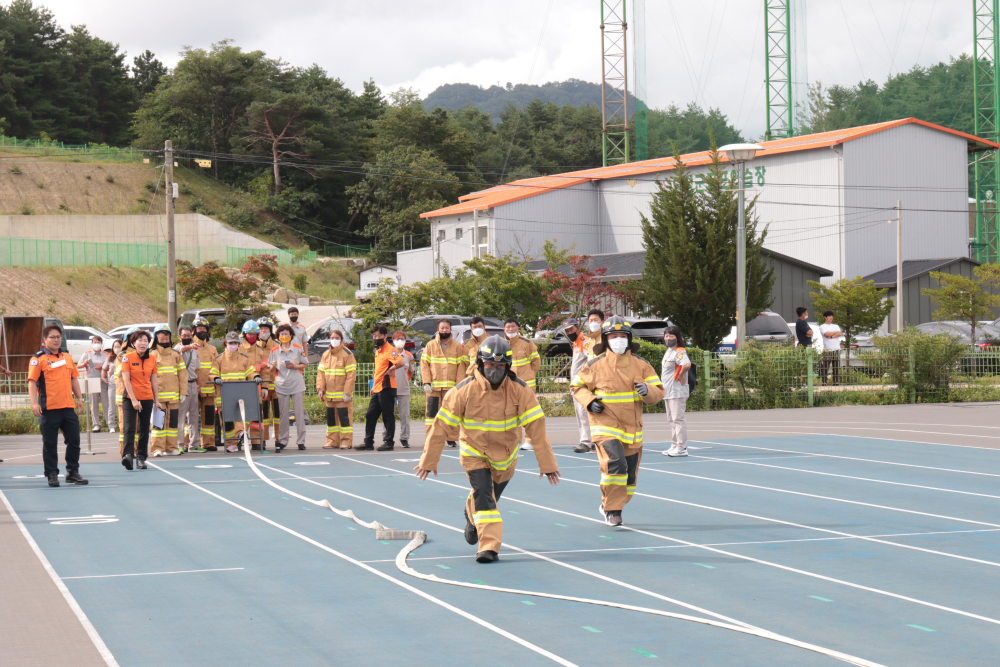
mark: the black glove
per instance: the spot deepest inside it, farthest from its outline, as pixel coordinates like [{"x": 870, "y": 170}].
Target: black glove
[
  {"x": 641, "y": 388},
  {"x": 596, "y": 406},
  {"x": 260, "y": 380},
  {"x": 217, "y": 380}
]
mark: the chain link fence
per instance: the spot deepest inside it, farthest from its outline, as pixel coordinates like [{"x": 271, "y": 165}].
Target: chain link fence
[{"x": 52, "y": 252}]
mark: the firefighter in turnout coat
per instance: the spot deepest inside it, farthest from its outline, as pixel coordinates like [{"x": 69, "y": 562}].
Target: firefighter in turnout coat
[
  {"x": 231, "y": 365},
  {"x": 171, "y": 374},
  {"x": 335, "y": 377},
  {"x": 486, "y": 412},
  {"x": 613, "y": 386},
  {"x": 442, "y": 365},
  {"x": 206, "y": 389},
  {"x": 258, "y": 355},
  {"x": 269, "y": 406}
]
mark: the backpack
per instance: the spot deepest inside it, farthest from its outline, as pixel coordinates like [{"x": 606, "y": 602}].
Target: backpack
[{"x": 693, "y": 377}]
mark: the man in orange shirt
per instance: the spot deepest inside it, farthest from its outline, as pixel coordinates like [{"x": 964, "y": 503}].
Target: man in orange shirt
[
  {"x": 383, "y": 401},
  {"x": 52, "y": 386}
]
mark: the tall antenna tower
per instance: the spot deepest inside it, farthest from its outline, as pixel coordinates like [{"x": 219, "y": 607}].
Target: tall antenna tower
[
  {"x": 614, "y": 82},
  {"x": 986, "y": 95},
  {"x": 785, "y": 72}
]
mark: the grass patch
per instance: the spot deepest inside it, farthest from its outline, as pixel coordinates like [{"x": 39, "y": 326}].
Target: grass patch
[{"x": 19, "y": 421}]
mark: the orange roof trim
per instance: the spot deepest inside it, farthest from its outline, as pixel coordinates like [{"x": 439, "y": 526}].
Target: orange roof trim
[{"x": 529, "y": 187}]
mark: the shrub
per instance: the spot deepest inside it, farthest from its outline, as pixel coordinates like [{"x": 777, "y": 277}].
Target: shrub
[
  {"x": 18, "y": 421},
  {"x": 237, "y": 214},
  {"x": 63, "y": 206},
  {"x": 25, "y": 209},
  {"x": 299, "y": 282},
  {"x": 41, "y": 185},
  {"x": 14, "y": 169},
  {"x": 270, "y": 227},
  {"x": 936, "y": 359},
  {"x": 150, "y": 185},
  {"x": 199, "y": 205},
  {"x": 769, "y": 376},
  {"x": 78, "y": 320},
  {"x": 184, "y": 189},
  {"x": 110, "y": 178},
  {"x": 87, "y": 177}
]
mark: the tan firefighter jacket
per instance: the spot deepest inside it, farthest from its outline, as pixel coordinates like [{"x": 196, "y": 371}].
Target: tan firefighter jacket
[
  {"x": 612, "y": 377},
  {"x": 526, "y": 359},
  {"x": 487, "y": 424},
  {"x": 335, "y": 375},
  {"x": 171, "y": 374},
  {"x": 471, "y": 352},
  {"x": 442, "y": 366},
  {"x": 262, "y": 348},
  {"x": 119, "y": 380},
  {"x": 206, "y": 355},
  {"x": 232, "y": 366}
]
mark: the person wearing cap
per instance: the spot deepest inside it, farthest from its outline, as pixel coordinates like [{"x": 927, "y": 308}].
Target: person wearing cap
[
  {"x": 476, "y": 336},
  {"x": 171, "y": 379},
  {"x": 383, "y": 393},
  {"x": 189, "y": 414},
  {"x": 442, "y": 366},
  {"x": 270, "y": 410},
  {"x": 138, "y": 371},
  {"x": 91, "y": 363},
  {"x": 299, "y": 336},
  {"x": 54, "y": 393},
  {"x": 231, "y": 366}
]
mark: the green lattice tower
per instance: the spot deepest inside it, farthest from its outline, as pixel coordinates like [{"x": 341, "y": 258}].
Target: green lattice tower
[
  {"x": 778, "y": 67},
  {"x": 640, "y": 117},
  {"x": 614, "y": 82},
  {"x": 986, "y": 92}
]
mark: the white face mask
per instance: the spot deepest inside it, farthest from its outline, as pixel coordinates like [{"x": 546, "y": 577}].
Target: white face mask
[
  {"x": 618, "y": 345},
  {"x": 264, "y": 335},
  {"x": 477, "y": 332},
  {"x": 511, "y": 335},
  {"x": 232, "y": 347},
  {"x": 97, "y": 347},
  {"x": 399, "y": 344},
  {"x": 334, "y": 342},
  {"x": 594, "y": 326}
]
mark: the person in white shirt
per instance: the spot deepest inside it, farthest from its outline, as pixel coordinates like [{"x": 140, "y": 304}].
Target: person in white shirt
[
  {"x": 832, "y": 336},
  {"x": 299, "y": 335},
  {"x": 404, "y": 376},
  {"x": 673, "y": 373},
  {"x": 92, "y": 363}
]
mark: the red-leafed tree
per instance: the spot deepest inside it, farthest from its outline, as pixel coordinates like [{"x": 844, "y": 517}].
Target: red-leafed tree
[
  {"x": 575, "y": 288},
  {"x": 235, "y": 290}
]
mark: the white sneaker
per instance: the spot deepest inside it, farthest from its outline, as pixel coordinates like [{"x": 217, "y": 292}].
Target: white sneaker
[
  {"x": 111, "y": 430},
  {"x": 674, "y": 451},
  {"x": 527, "y": 446},
  {"x": 157, "y": 454},
  {"x": 176, "y": 452},
  {"x": 232, "y": 449}
]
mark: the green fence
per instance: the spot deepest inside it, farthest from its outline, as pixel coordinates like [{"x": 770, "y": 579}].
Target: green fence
[
  {"x": 42, "y": 252},
  {"x": 48, "y": 148}
]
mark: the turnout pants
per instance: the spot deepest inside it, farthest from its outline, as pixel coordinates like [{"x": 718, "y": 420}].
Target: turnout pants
[
  {"x": 676, "y": 408},
  {"x": 230, "y": 428},
  {"x": 270, "y": 413},
  {"x": 618, "y": 474},
  {"x": 339, "y": 432},
  {"x": 300, "y": 418},
  {"x": 383, "y": 405},
  {"x": 50, "y": 423},
  {"x": 583, "y": 422},
  {"x": 111, "y": 409},
  {"x": 165, "y": 439},
  {"x": 206, "y": 405},
  {"x": 97, "y": 401},
  {"x": 189, "y": 418},
  {"x": 433, "y": 405},
  {"x": 481, "y": 506},
  {"x": 136, "y": 422}
]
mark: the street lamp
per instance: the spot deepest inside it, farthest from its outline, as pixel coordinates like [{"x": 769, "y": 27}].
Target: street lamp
[{"x": 739, "y": 154}]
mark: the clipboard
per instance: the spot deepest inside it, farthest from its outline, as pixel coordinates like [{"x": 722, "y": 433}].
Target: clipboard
[{"x": 158, "y": 418}]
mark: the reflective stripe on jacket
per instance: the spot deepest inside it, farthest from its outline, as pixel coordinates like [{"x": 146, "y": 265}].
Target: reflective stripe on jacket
[
  {"x": 612, "y": 378},
  {"x": 335, "y": 375},
  {"x": 232, "y": 366},
  {"x": 443, "y": 365},
  {"x": 171, "y": 374},
  {"x": 526, "y": 359}
]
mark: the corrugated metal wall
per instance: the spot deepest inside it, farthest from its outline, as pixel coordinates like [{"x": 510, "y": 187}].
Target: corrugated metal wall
[
  {"x": 415, "y": 266},
  {"x": 567, "y": 216},
  {"x": 918, "y": 308},
  {"x": 924, "y": 168},
  {"x": 454, "y": 250},
  {"x": 791, "y": 288}
]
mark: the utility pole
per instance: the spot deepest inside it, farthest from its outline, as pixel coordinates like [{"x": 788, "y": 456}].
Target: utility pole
[
  {"x": 899, "y": 266},
  {"x": 168, "y": 170},
  {"x": 475, "y": 233},
  {"x": 741, "y": 266}
]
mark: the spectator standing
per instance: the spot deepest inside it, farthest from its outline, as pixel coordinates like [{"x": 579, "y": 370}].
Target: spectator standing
[
  {"x": 258, "y": 356},
  {"x": 92, "y": 363},
  {"x": 54, "y": 392},
  {"x": 477, "y": 336},
  {"x": 335, "y": 377},
  {"x": 383, "y": 394},
  {"x": 288, "y": 360},
  {"x": 442, "y": 366},
  {"x": 526, "y": 361},
  {"x": 206, "y": 388},
  {"x": 803, "y": 332},
  {"x": 673, "y": 374},
  {"x": 831, "y": 348},
  {"x": 109, "y": 374},
  {"x": 138, "y": 371},
  {"x": 595, "y": 318},
  {"x": 579, "y": 359},
  {"x": 298, "y": 331},
  {"x": 404, "y": 375},
  {"x": 189, "y": 414}
]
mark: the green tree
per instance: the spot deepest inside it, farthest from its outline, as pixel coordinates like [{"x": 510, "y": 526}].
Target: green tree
[
  {"x": 688, "y": 131},
  {"x": 392, "y": 305},
  {"x": 966, "y": 299},
  {"x": 146, "y": 73},
  {"x": 690, "y": 272},
  {"x": 105, "y": 98},
  {"x": 858, "y": 306},
  {"x": 237, "y": 291}
]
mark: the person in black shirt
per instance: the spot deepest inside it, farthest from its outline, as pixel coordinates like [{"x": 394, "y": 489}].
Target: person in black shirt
[{"x": 803, "y": 333}]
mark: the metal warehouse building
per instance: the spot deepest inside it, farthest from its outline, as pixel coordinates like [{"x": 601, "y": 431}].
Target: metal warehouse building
[{"x": 826, "y": 199}]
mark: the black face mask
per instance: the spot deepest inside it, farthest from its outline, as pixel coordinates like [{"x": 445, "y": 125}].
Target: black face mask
[
  {"x": 187, "y": 341},
  {"x": 202, "y": 335},
  {"x": 167, "y": 344},
  {"x": 444, "y": 336},
  {"x": 495, "y": 375},
  {"x": 293, "y": 318},
  {"x": 572, "y": 337},
  {"x": 379, "y": 342}
]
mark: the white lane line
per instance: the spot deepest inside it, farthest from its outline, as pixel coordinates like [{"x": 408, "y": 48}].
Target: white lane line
[
  {"x": 717, "y": 544},
  {"x": 731, "y": 554},
  {"x": 475, "y": 619},
  {"x": 855, "y": 458},
  {"x": 88, "y": 627},
  {"x": 147, "y": 574},
  {"x": 830, "y": 474},
  {"x": 837, "y": 423},
  {"x": 888, "y": 430},
  {"x": 67, "y": 486},
  {"x": 752, "y": 458}
]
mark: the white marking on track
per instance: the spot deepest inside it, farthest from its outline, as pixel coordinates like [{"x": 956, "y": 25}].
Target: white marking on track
[{"x": 146, "y": 574}]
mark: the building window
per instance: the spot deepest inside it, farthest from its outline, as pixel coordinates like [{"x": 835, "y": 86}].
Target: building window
[
  {"x": 458, "y": 233},
  {"x": 482, "y": 235},
  {"x": 440, "y": 235},
  {"x": 371, "y": 286}
]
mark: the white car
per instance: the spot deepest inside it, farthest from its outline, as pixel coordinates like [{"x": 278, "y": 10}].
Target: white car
[{"x": 78, "y": 340}]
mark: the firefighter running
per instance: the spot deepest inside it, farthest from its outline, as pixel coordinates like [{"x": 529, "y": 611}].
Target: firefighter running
[
  {"x": 486, "y": 413},
  {"x": 611, "y": 387}
]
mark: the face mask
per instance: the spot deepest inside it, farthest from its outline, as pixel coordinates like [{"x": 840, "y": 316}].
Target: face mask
[
  {"x": 293, "y": 318},
  {"x": 495, "y": 375},
  {"x": 618, "y": 345},
  {"x": 671, "y": 342},
  {"x": 572, "y": 337},
  {"x": 202, "y": 335},
  {"x": 511, "y": 335},
  {"x": 284, "y": 338},
  {"x": 97, "y": 347},
  {"x": 477, "y": 332},
  {"x": 444, "y": 336},
  {"x": 251, "y": 338},
  {"x": 594, "y": 326},
  {"x": 167, "y": 344},
  {"x": 400, "y": 343},
  {"x": 187, "y": 341},
  {"x": 264, "y": 335},
  {"x": 379, "y": 342},
  {"x": 334, "y": 342},
  {"x": 232, "y": 347}
]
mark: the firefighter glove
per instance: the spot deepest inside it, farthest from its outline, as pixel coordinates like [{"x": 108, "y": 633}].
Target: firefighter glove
[
  {"x": 427, "y": 389},
  {"x": 218, "y": 380},
  {"x": 260, "y": 380},
  {"x": 596, "y": 406},
  {"x": 641, "y": 388}
]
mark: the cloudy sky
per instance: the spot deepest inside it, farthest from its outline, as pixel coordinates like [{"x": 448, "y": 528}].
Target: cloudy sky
[{"x": 709, "y": 51}]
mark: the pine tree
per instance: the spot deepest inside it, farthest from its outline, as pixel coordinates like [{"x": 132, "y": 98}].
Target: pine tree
[{"x": 690, "y": 273}]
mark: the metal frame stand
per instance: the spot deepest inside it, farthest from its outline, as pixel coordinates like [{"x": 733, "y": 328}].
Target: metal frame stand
[
  {"x": 86, "y": 407},
  {"x": 235, "y": 398}
]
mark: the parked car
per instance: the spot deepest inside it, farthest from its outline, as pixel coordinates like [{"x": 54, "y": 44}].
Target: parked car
[
  {"x": 650, "y": 331},
  {"x": 463, "y": 332},
  {"x": 216, "y": 321},
  {"x": 118, "y": 332},
  {"x": 986, "y": 334},
  {"x": 767, "y": 327},
  {"x": 426, "y": 327},
  {"x": 319, "y": 340},
  {"x": 77, "y": 339}
]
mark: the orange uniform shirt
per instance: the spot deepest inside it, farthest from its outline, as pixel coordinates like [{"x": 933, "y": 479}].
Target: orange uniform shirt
[
  {"x": 140, "y": 373},
  {"x": 385, "y": 358},
  {"x": 53, "y": 375}
]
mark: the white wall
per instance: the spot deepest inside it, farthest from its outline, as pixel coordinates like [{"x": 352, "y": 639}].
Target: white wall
[
  {"x": 567, "y": 216},
  {"x": 415, "y": 266},
  {"x": 375, "y": 274}
]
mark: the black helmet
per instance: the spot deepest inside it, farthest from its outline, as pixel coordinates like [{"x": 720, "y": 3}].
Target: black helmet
[
  {"x": 615, "y": 324},
  {"x": 495, "y": 349}
]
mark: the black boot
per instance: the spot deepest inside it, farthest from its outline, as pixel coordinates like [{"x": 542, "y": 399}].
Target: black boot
[
  {"x": 365, "y": 447},
  {"x": 140, "y": 464},
  {"x": 452, "y": 443},
  {"x": 74, "y": 478},
  {"x": 487, "y": 557},
  {"x": 471, "y": 536},
  {"x": 404, "y": 444},
  {"x": 582, "y": 448},
  {"x": 127, "y": 462},
  {"x": 384, "y": 447},
  {"x": 53, "y": 479}
]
